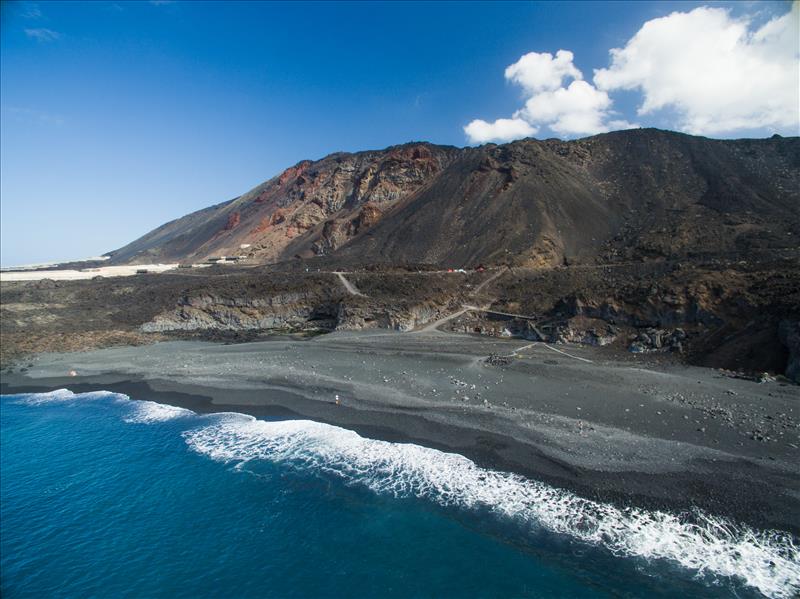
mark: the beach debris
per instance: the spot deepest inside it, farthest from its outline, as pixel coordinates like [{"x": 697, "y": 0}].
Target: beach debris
[
  {"x": 498, "y": 360},
  {"x": 73, "y": 373},
  {"x": 336, "y": 399}
]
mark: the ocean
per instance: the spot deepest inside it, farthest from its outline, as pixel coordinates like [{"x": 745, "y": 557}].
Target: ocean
[{"x": 104, "y": 496}]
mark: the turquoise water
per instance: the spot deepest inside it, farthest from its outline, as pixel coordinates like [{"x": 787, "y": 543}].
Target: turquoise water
[{"x": 107, "y": 497}]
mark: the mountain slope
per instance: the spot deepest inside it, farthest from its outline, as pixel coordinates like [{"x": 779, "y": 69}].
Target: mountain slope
[
  {"x": 349, "y": 189},
  {"x": 625, "y": 195}
]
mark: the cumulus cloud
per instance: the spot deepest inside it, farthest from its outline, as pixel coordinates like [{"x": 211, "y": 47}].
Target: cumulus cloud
[
  {"x": 707, "y": 71},
  {"x": 42, "y": 34},
  {"x": 570, "y": 109},
  {"x": 718, "y": 73},
  {"x": 573, "y": 110},
  {"x": 479, "y": 131},
  {"x": 537, "y": 71}
]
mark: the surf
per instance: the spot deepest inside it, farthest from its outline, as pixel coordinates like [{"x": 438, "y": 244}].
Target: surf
[{"x": 709, "y": 546}]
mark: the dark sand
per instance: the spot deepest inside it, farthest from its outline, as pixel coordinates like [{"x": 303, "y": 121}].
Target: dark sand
[{"x": 671, "y": 437}]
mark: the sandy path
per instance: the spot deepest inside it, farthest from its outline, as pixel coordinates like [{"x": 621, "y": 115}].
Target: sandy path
[
  {"x": 351, "y": 289},
  {"x": 434, "y": 325},
  {"x": 480, "y": 287}
]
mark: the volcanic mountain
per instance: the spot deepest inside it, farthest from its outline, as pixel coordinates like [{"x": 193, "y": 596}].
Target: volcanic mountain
[{"x": 636, "y": 194}]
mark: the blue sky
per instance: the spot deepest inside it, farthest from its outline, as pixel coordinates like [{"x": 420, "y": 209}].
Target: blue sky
[{"x": 116, "y": 117}]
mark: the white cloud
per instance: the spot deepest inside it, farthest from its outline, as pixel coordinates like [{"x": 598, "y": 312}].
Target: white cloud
[
  {"x": 479, "y": 131},
  {"x": 709, "y": 72},
  {"x": 43, "y": 34},
  {"x": 575, "y": 109},
  {"x": 718, "y": 73},
  {"x": 540, "y": 71}
]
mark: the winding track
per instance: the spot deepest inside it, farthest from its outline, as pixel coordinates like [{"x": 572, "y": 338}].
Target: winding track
[
  {"x": 480, "y": 287},
  {"x": 430, "y": 328},
  {"x": 351, "y": 289}
]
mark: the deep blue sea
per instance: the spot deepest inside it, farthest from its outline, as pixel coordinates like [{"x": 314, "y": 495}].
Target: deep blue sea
[{"x": 103, "y": 496}]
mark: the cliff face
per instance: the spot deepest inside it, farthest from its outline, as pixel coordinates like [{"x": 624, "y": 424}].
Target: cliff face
[
  {"x": 310, "y": 209},
  {"x": 628, "y": 195}
]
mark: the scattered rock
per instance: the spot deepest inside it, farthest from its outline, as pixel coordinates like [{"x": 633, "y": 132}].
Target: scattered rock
[
  {"x": 498, "y": 360},
  {"x": 653, "y": 340}
]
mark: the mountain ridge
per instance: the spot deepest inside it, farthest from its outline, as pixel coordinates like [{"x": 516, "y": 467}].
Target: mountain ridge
[{"x": 529, "y": 202}]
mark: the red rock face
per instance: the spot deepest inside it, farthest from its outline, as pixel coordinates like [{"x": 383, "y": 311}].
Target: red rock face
[
  {"x": 287, "y": 214},
  {"x": 352, "y": 190},
  {"x": 233, "y": 221},
  {"x": 293, "y": 172},
  {"x": 261, "y": 227},
  {"x": 277, "y": 217}
]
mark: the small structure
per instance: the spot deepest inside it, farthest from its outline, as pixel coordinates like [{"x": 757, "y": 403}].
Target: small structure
[{"x": 215, "y": 259}]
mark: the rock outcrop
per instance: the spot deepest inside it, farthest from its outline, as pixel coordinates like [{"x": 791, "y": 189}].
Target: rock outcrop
[{"x": 292, "y": 311}]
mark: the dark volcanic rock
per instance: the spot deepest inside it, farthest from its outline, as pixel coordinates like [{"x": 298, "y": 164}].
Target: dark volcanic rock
[{"x": 789, "y": 334}]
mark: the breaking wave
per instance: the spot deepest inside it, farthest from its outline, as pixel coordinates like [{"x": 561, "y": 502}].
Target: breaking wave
[
  {"x": 768, "y": 561},
  {"x": 66, "y": 396},
  {"x": 150, "y": 412},
  {"x": 138, "y": 411}
]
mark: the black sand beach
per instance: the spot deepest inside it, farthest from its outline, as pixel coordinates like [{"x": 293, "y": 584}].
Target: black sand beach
[{"x": 668, "y": 437}]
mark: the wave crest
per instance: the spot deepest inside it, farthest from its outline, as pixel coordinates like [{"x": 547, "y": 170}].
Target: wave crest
[
  {"x": 768, "y": 561},
  {"x": 140, "y": 411},
  {"x": 150, "y": 412},
  {"x": 65, "y": 396}
]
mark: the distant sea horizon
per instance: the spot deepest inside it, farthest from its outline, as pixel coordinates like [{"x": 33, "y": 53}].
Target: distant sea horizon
[{"x": 37, "y": 265}]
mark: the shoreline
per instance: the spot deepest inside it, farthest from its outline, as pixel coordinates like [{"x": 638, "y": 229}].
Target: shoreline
[{"x": 608, "y": 452}]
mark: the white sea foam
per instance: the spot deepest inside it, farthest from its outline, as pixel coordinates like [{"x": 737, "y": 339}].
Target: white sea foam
[
  {"x": 144, "y": 412},
  {"x": 768, "y": 561},
  {"x": 66, "y": 396},
  {"x": 149, "y": 412}
]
